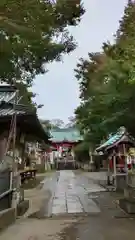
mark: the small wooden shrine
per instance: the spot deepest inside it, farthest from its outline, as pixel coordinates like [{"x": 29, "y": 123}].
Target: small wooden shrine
[{"x": 119, "y": 160}]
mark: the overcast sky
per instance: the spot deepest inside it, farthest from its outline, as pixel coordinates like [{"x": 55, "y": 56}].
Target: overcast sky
[{"x": 58, "y": 89}]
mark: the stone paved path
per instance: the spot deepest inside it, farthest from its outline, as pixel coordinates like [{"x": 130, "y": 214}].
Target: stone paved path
[{"x": 71, "y": 194}]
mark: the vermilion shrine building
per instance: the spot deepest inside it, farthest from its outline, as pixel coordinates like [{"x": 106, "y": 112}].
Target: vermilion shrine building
[
  {"x": 62, "y": 143},
  {"x": 65, "y": 138}
]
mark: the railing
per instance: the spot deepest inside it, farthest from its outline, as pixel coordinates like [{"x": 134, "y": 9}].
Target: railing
[
  {"x": 5, "y": 189},
  {"x": 6, "y": 186}
]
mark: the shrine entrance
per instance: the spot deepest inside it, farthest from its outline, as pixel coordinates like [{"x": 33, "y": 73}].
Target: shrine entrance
[
  {"x": 65, "y": 158},
  {"x": 63, "y": 142}
]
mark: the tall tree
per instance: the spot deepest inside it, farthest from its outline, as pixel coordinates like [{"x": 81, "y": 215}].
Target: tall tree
[
  {"x": 57, "y": 123},
  {"x": 25, "y": 95},
  {"x": 108, "y": 86},
  {"x": 34, "y": 33},
  {"x": 92, "y": 82},
  {"x": 122, "y": 72},
  {"x": 52, "y": 124},
  {"x": 46, "y": 125},
  {"x": 71, "y": 122}
]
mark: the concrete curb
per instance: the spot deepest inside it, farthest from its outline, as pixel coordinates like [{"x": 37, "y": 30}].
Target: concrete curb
[
  {"x": 7, "y": 217},
  {"x": 22, "y": 207}
]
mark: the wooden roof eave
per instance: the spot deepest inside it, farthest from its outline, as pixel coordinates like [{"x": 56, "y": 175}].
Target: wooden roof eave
[
  {"x": 64, "y": 141},
  {"x": 33, "y": 128},
  {"x": 28, "y": 124}
]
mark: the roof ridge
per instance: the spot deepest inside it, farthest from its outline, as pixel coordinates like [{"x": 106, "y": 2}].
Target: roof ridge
[{"x": 114, "y": 138}]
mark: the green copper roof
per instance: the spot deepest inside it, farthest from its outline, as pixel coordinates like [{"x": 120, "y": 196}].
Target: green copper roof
[
  {"x": 121, "y": 135},
  {"x": 111, "y": 141},
  {"x": 65, "y": 134}
]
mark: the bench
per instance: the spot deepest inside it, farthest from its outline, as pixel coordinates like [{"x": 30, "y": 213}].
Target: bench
[{"x": 28, "y": 174}]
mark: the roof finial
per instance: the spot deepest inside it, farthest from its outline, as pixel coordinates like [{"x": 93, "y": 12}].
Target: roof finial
[{"x": 122, "y": 129}]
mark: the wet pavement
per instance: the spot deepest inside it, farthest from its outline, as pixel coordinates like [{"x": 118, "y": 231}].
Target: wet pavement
[
  {"x": 112, "y": 223},
  {"x": 97, "y": 216},
  {"x": 78, "y": 209},
  {"x": 70, "y": 194}
]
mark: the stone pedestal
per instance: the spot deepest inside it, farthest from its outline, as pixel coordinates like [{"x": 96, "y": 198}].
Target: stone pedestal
[
  {"x": 131, "y": 179},
  {"x": 128, "y": 202},
  {"x": 91, "y": 167},
  {"x": 22, "y": 207},
  {"x": 128, "y": 205},
  {"x": 7, "y": 217},
  {"x": 129, "y": 192},
  {"x": 121, "y": 182}
]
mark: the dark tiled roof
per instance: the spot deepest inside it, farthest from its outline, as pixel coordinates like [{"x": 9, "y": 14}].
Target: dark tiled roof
[
  {"x": 7, "y": 110},
  {"x": 7, "y": 93},
  {"x": 7, "y": 97}
]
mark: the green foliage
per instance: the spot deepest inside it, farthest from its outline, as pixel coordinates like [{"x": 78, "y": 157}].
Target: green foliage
[
  {"x": 81, "y": 151},
  {"x": 107, "y": 84},
  {"x": 25, "y": 96},
  {"x": 46, "y": 125},
  {"x": 58, "y": 124},
  {"x": 71, "y": 122},
  {"x": 83, "y": 146},
  {"x": 34, "y": 33}
]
